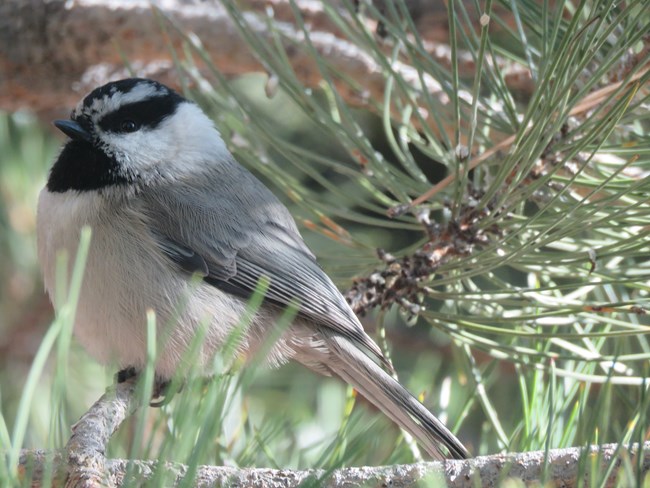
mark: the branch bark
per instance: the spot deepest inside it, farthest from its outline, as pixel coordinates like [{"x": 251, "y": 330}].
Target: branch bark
[
  {"x": 52, "y": 52},
  {"x": 83, "y": 464}
]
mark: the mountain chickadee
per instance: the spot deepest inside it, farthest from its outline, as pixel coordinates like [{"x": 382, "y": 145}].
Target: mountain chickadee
[{"x": 149, "y": 173}]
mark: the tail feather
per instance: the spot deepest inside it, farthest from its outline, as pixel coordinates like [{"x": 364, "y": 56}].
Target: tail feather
[{"x": 354, "y": 367}]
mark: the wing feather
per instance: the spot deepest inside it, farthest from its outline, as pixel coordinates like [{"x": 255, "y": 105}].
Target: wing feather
[{"x": 241, "y": 232}]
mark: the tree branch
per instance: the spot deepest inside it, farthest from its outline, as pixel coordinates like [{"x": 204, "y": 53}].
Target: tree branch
[
  {"x": 83, "y": 459},
  {"x": 52, "y": 52}
]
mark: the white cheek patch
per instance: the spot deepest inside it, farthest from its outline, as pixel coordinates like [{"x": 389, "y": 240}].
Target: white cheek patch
[
  {"x": 115, "y": 99},
  {"x": 183, "y": 143}
]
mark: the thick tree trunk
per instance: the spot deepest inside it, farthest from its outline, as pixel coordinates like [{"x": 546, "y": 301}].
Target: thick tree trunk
[{"x": 52, "y": 52}]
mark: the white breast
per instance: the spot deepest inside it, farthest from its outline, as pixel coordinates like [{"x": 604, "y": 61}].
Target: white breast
[{"x": 126, "y": 275}]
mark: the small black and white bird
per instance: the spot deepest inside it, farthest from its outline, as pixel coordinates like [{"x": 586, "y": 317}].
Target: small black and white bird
[{"x": 147, "y": 170}]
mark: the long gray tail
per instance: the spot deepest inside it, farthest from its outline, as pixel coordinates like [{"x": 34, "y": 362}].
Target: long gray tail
[{"x": 357, "y": 369}]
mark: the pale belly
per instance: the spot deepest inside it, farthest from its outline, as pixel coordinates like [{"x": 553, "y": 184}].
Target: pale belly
[{"x": 126, "y": 277}]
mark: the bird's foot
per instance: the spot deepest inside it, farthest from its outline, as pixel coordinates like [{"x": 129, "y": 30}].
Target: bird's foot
[
  {"x": 126, "y": 374},
  {"x": 160, "y": 395}
]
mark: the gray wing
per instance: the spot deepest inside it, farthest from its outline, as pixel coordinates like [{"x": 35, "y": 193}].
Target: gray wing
[{"x": 227, "y": 226}]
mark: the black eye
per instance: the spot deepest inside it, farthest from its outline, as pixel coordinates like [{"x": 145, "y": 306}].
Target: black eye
[{"x": 128, "y": 125}]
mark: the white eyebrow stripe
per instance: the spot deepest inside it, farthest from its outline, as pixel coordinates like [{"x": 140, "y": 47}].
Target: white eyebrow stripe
[{"x": 116, "y": 99}]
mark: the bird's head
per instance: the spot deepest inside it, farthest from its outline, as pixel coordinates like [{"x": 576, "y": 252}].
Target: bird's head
[{"x": 133, "y": 131}]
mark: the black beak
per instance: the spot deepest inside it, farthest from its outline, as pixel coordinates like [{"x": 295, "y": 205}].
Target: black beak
[{"x": 73, "y": 130}]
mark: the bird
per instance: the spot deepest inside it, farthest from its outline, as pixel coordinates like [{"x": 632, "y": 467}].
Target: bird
[{"x": 175, "y": 219}]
